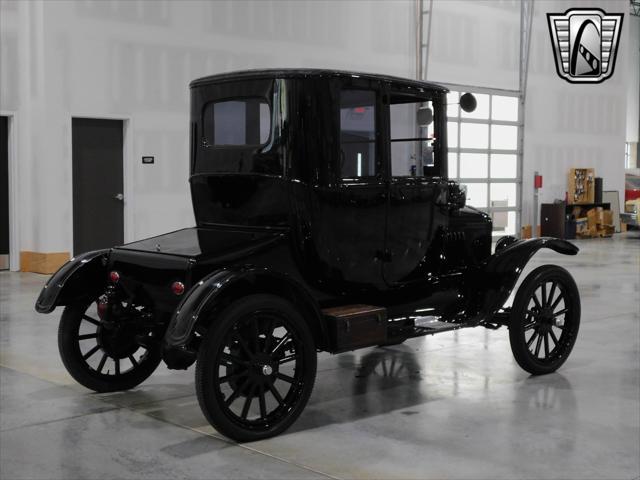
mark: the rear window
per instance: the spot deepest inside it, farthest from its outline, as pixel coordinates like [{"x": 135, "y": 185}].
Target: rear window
[{"x": 237, "y": 122}]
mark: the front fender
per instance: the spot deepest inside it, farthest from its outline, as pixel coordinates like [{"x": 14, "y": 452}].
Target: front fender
[
  {"x": 493, "y": 282},
  {"x": 207, "y": 294},
  {"x": 83, "y": 275}
]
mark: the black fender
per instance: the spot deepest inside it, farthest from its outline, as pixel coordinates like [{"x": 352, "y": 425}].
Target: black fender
[
  {"x": 82, "y": 276},
  {"x": 216, "y": 290},
  {"x": 492, "y": 284}
]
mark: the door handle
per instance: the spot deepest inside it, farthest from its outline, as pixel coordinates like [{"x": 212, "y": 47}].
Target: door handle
[{"x": 119, "y": 196}]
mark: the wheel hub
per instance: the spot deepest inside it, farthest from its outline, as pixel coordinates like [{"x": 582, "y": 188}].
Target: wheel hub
[
  {"x": 119, "y": 342},
  {"x": 264, "y": 367}
]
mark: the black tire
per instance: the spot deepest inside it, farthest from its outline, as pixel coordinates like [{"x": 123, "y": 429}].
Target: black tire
[
  {"x": 79, "y": 360},
  {"x": 243, "y": 342},
  {"x": 545, "y": 319}
]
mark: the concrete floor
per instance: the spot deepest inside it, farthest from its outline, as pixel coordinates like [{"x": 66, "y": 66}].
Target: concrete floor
[{"x": 450, "y": 406}]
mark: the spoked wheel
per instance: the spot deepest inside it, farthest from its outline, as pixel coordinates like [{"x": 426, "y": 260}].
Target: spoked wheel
[
  {"x": 256, "y": 368},
  {"x": 545, "y": 319},
  {"x": 106, "y": 356}
]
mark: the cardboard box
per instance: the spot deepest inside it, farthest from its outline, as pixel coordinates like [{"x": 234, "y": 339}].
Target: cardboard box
[
  {"x": 592, "y": 218},
  {"x": 526, "y": 231},
  {"x": 606, "y": 230},
  {"x": 581, "y": 226}
]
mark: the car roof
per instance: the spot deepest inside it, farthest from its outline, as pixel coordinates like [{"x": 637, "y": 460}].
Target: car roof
[{"x": 309, "y": 73}]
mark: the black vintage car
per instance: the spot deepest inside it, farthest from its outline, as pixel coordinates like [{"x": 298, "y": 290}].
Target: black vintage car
[{"x": 324, "y": 222}]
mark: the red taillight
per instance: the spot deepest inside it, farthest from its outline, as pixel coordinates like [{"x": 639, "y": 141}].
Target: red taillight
[
  {"x": 114, "y": 276},
  {"x": 177, "y": 288},
  {"x": 102, "y": 309}
]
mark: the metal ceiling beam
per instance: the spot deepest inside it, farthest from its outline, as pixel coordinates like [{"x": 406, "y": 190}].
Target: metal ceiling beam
[{"x": 423, "y": 37}]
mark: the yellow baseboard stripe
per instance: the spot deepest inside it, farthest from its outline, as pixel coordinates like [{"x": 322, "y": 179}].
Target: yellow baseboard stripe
[{"x": 39, "y": 262}]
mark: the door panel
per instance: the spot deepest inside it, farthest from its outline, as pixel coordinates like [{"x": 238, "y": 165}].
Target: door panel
[
  {"x": 416, "y": 191},
  {"x": 412, "y": 222},
  {"x": 4, "y": 193},
  {"x": 98, "y": 205},
  {"x": 349, "y": 214},
  {"x": 349, "y": 233}
]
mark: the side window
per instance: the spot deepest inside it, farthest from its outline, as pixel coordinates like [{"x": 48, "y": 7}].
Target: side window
[
  {"x": 412, "y": 137},
  {"x": 237, "y": 122},
  {"x": 358, "y": 133}
]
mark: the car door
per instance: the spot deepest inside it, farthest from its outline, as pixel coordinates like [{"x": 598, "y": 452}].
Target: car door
[
  {"x": 417, "y": 187},
  {"x": 350, "y": 212}
]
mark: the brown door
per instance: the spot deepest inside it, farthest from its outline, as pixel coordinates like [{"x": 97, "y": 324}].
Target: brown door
[{"x": 98, "y": 201}]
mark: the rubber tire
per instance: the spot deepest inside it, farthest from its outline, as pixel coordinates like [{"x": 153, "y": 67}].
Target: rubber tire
[
  {"x": 516, "y": 324},
  {"x": 213, "y": 341},
  {"x": 79, "y": 370}
]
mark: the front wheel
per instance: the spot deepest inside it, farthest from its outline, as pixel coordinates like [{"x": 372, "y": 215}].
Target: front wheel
[
  {"x": 545, "y": 319},
  {"x": 106, "y": 357},
  {"x": 256, "y": 368}
]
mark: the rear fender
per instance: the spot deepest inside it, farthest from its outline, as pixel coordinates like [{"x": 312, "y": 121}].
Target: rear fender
[
  {"x": 81, "y": 277},
  {"x": 219, "y": 289},
  {"x": 492, "y": 284}
]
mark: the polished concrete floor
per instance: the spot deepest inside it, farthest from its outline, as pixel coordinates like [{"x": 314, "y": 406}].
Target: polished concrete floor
[{"x": 454, "y": 405}]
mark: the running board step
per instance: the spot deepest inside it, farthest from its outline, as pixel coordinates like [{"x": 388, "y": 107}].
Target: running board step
[
  {"x": 423, "y": 326},
  {"x": 355, "y": 326}
]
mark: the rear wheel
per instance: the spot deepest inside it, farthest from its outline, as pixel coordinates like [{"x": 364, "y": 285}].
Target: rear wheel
[
  {"x": 545, "y": 319},
  {"x": 256, "y": 368},
  {"x": 106, "y": 356}
]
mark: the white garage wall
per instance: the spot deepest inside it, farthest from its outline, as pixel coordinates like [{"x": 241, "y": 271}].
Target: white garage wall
[
  {"x": 135, "y": 58},
  {"x": 475, "y": 43},
  {"x": 633, "y": 86},
  {"x": 569, "y": 125}
]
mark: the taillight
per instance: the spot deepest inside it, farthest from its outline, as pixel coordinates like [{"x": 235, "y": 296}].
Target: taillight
[
  {"x": 177, "y": 288},
  {"x": 114, "y": 277}
]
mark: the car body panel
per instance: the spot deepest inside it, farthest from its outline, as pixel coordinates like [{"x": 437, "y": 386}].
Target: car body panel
[
  {"x": 497, "y": 277},
  {"x": 82, "y": 274}
]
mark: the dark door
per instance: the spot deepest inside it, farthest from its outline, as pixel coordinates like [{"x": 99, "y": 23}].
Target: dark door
[
  {"x": 416, "y": 188},
  {"x": 4, "y": 193},
  {"x": 98, "y": 202},
  {"x": 349, "y": 224}
]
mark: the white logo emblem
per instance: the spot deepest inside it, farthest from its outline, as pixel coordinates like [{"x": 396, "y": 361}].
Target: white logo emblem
[{"x": 585, "y": 43}]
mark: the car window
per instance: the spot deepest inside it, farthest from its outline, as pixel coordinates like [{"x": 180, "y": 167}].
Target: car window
[
  {"x": 411, "y": 137},
  {"x": 358, "y": 133},
  {"x": 237, "y": 122}
]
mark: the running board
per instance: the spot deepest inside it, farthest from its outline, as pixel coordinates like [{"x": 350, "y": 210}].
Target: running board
[{"x": 422, "y": 326}]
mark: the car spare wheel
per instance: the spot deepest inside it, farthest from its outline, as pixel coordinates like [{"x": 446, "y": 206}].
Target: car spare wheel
[{"x": 256, "y": 368}]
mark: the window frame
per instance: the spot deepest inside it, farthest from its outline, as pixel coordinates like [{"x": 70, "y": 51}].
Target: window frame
[
  {"x": 204, "y": 139},
  {"x": 439, "y": 146},
  {"x": 376, "y": 88},
  {"x": 417, "y": 97}
]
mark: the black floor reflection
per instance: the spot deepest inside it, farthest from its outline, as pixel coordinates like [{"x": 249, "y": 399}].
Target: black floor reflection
[{"x": 382, "y": 380}]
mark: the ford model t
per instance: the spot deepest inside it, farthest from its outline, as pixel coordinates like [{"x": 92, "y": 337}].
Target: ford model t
[{"x": 324, "y": 222}]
